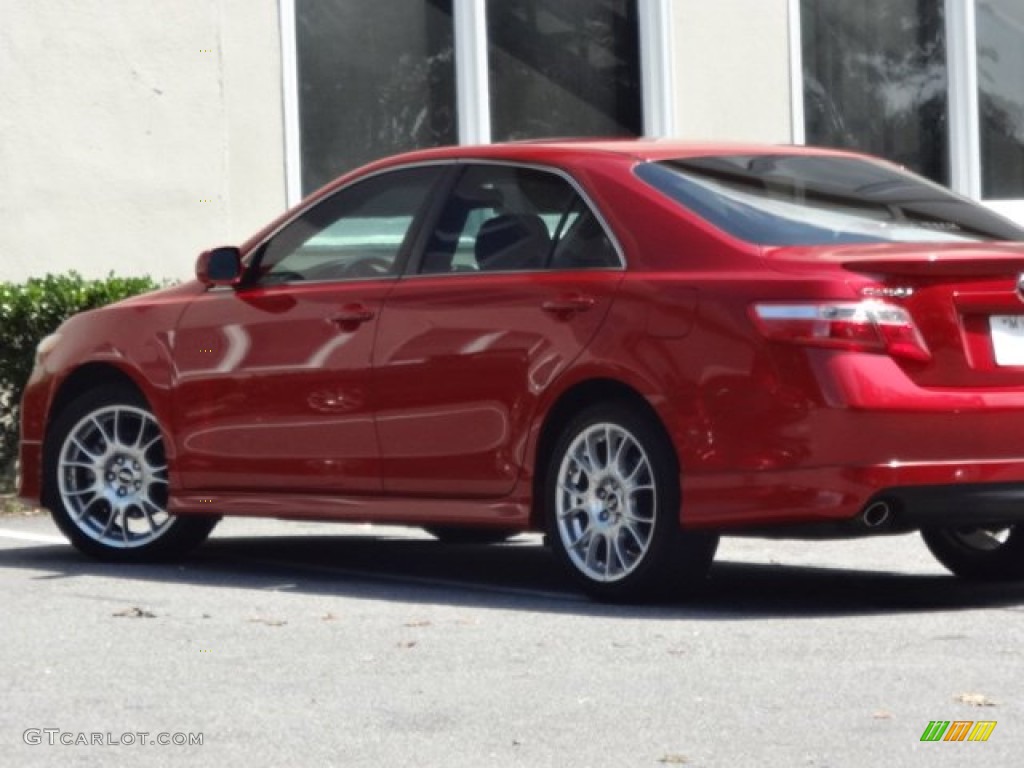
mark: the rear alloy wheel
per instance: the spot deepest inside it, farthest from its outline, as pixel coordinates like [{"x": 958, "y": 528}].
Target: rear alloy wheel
[
  {"x": 612, "y": 498},
  {"x": 993, "y": 553},
  {"x": 106, "y": 480}
]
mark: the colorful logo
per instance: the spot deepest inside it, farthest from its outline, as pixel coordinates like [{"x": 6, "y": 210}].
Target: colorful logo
[{"x": 958, "y": 730}]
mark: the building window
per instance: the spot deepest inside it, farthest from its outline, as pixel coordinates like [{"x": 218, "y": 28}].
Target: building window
[
  {"x": 373, "y": 79},
  {"x": 366, "y": 80},
  {"x": 875, "y": 80},
  {"x": 562, "y": 68},
  {"x": 937, "y": 86},
  {"x": 1000, "y": 52}
]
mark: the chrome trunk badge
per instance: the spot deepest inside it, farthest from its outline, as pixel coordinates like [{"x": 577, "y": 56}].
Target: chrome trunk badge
[{"x": 903, "y": 291}]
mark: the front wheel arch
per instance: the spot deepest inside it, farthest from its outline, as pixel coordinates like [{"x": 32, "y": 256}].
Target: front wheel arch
[{"x": 84, "y": 379}]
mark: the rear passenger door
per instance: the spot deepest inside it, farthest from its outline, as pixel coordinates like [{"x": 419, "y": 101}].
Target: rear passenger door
[{"x": 513, "y": 280}]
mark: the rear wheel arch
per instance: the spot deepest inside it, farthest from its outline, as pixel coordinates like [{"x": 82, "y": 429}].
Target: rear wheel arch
[{"x": 573, "y": 401}]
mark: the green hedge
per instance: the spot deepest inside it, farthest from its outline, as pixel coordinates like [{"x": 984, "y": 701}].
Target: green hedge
[{"x": 28, "y": 312}]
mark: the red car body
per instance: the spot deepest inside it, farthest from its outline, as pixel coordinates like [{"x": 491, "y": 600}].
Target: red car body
[{"x": 436, "y": 399}]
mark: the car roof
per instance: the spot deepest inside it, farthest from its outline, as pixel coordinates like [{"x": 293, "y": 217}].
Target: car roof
[{"x": 636, "y": 149}]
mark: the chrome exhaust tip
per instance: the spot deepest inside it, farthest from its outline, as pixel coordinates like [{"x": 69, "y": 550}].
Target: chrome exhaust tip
[{"x": 876, "y": 515}]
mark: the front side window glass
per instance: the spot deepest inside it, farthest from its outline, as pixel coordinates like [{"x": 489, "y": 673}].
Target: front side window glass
[
  {"x": 875, "y": 79},
  {"x": 358, "y": 232},
  {"x": 1000, "y": 31},
  {"x": 562, "y": 68},
  {"x": 814, "y": 200},
  {"x": 375, "y": 78},
  {"x": 507, "y": 219}
]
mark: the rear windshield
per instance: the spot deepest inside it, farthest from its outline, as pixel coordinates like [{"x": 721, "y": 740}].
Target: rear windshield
[{"x": 811, "y": 200}]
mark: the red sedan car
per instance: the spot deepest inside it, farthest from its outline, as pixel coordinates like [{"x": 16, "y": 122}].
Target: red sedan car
[{"x": 633, "y": 346}]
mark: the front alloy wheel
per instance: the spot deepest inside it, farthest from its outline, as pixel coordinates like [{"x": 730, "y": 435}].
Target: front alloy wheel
[
  {"x": 991, "y": 553},
  {"x": 613, "y": 507},
  {"x": 106, "y": 480}
]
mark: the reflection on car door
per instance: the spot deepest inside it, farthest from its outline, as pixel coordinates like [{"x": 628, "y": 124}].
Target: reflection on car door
[
  {"x": 273, "y": 379},
  {"x": 468, "y": 344}
]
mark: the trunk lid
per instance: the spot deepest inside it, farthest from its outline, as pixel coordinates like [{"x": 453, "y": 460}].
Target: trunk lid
[{"x": 967, "y": 301}]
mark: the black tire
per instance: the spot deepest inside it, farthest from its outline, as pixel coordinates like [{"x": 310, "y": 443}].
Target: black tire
[
  {"x": 105, "y": 481},
  {"x": 457, "y": 534},
  {"x": 619, "y": 536},
  {"x": 979, "y": 554}
]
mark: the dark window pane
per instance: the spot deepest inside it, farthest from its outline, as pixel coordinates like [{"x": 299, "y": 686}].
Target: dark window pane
[
  {"x": 375, "y": 78},
  {"x": 807, "y": 200},
  {"x": 357, "y": 232},
  {"x": 1001, "y": 97},
  {"x": 563, "y": 68},
  {"x": 506, "y": 219},
  {"x": 583, "y": 243},
  {"x": 875, "y": 80}
]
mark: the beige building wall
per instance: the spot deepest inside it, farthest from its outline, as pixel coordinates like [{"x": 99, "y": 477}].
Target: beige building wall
[
  {"x": 135, "y": 133},
  {"x": 732, "y": 70}
]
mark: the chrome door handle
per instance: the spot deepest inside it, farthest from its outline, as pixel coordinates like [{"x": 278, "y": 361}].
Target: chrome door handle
[
  {"x": 353, "y": 316},
  {"x": 568, "y": 305}
]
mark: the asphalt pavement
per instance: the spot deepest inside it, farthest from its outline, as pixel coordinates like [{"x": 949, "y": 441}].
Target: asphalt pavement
[{"x": 339, "y": 645}]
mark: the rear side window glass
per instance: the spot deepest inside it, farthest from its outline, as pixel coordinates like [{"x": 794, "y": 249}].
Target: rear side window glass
[
  {"x": 502, "y": 218},
  {"x": 813, "y": 200}
]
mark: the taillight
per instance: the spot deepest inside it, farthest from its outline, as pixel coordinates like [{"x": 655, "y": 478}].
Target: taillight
[{"x": 869, "y": 326}]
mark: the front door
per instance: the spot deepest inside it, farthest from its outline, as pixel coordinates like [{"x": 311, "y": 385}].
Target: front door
[{"x": 273, "y": 385}]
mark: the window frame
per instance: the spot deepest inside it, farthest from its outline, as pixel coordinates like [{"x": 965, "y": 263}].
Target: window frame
[{"x": 962, "y": 89}]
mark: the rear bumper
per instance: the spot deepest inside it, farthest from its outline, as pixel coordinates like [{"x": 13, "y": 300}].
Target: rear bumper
[
  {"x": 920, "y": 496},
  {"x": 945, "y": 506},
  {"x": 817, "y": 436}
]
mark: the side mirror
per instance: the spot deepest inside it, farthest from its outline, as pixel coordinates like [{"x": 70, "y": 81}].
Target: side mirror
[{"x": 220, "y": 266}]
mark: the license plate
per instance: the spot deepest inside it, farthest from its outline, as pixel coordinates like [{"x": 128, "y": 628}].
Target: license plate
[{"x": 1007, "y": 338}]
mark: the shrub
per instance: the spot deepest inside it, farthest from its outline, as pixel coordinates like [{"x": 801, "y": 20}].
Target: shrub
[{"x": 28, "y": 312}]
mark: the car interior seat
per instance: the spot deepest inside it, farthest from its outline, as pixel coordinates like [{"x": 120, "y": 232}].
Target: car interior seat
[{"x": 512, "y": 241}]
